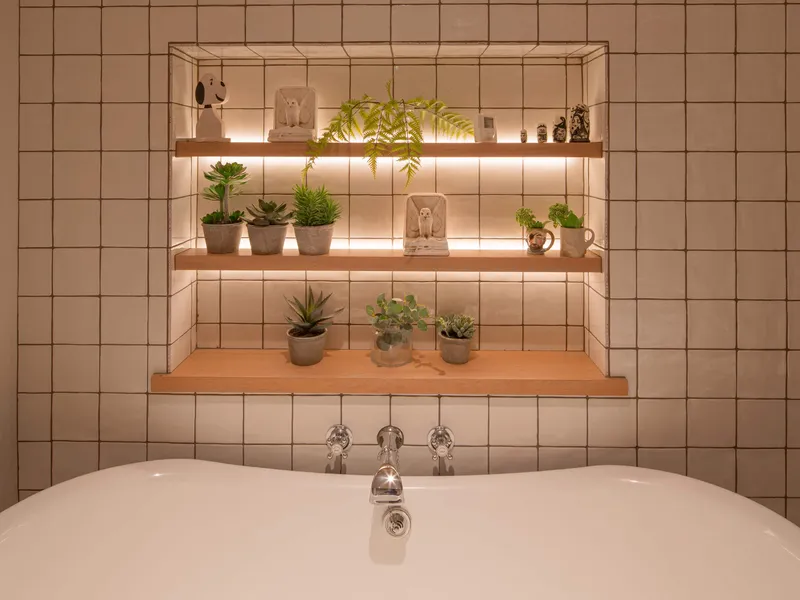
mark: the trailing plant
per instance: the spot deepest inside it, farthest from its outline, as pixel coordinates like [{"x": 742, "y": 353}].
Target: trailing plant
[
  {"x": 269, "y": 213},
  {"x": 562, "y": 215},
  {"x": 395, "y": 319},
  {"x": 525, "y": 218},
  {"x": 456, "y": 326},
  {"x": 310, "y": 318},
  {"x": 226, "y": 182},
  {"x": 314, "y": 207},
  {"x": 389, "y": 129}
]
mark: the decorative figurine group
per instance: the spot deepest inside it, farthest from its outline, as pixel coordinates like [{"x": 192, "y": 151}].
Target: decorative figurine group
[{"x": 578, "y": 127}]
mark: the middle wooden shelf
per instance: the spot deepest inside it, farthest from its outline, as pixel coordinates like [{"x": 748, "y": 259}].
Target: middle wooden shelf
[{"x": 508, "y": 261}]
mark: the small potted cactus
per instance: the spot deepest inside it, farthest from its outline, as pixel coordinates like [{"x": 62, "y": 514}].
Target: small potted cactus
[
  {"x": 315, "y": 212},
  {"x": 222, "y": 229},
  {"x": 573, "y": 234},
  {"x": 455, "y": 337},
  {"x": 267, "y": 227},
  {"x": 535, "y": 232},
  {"x": 309, "y": 328},
  {"x": 394, "y": 321}
]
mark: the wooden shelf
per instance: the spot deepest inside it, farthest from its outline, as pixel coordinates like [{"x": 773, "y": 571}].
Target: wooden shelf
[
  {"x": 352, "y": 372},
  {"x": 513, "y": 261},
  {"x": 444, "y": 150}
]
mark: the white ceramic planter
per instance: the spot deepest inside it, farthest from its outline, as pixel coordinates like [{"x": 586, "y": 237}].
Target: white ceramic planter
[
  {"x": 314, "y": 240},
  {"x": 267, "y": 240},
  {"x": 306, "y": 351},
  {"x": 574, "y": 243},
  {"x": 454, "y": 350},
  {"x": 222, "y": 238}
]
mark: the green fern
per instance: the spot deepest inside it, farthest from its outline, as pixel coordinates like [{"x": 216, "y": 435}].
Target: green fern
[{"x": 389, "y": 129}]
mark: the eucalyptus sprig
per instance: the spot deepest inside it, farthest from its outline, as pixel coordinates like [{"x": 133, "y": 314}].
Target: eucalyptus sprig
[
  {"x": 389, "y": 129},
  {"x": 562, "y": 215}
]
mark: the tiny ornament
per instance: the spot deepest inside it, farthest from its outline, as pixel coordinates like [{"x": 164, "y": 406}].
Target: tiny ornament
[
  {"x": 295, "y": 116},
  {"x": 579, "y": 123},
  {"x": 541, "y": 133},
  {"x": 426, "y": 225},
  {"x": 523, "y": 135},
  {"x": 560, "y": 130},
  {"x": 209, "y": 92},
  {"x": 485, "y": 128}
]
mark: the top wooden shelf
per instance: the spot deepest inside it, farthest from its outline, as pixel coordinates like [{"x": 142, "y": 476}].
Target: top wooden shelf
[{"x": 188, "y": 148}]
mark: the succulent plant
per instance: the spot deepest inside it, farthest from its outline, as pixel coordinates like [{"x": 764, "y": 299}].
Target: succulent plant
[
  {"x": 456, "y": 326},
  {"x": 395, "y": 319},
  {"x": 562, "y": 215},
  {"x": 226, "y": 182},
  {"x": 314, "y": 207},
  {"x": 269, "y": 213},
  {"x": 311, "y": 319},
  {"x": 525, "y": 218}
]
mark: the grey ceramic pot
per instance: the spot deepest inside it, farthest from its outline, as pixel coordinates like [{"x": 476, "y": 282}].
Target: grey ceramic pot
[
  {"x": 267, "y": 240},
  {"x": 454, "y": 351},
  {"x": 222, "y": 238},
  {"x": 314, "y": 240},
  {"x": 306, "y": 351}
]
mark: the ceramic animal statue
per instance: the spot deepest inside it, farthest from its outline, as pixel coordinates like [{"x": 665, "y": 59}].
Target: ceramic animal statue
[
  {"x": 425, "y": 223},
  {"x": 560, "y": 130},
  {"x": 210, "y": 92},
  {"x": 295, "y": 115},
  {"x": 579, "y": 123},
  {"x": 292, "y": 110},
  {"x": 425, "y": 231}
]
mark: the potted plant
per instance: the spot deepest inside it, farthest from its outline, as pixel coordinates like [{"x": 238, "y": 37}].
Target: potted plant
[
  {"x": 535, "y": 232},
  {"x": 315, "y": 212},
  {"x": 573, "y": 234},
  {"x": 394, "y": 321},
  {"x": 267, "y": 228},
  {"x": 455, "y": 337},
  {"x": 392, "y": 128},
  {"x": 222, "y": 228},
  {"x": 309, "y": 328}
]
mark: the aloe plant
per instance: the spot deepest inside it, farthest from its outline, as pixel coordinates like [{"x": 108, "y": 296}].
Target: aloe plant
[{"x": 310, "y": 318}]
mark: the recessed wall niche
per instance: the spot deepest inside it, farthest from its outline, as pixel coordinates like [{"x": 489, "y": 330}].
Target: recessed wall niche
[{"x": 520, "y": 85}]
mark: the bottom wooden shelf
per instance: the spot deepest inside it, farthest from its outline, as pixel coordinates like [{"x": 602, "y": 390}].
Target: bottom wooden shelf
[{"x": 351, "y": 372}]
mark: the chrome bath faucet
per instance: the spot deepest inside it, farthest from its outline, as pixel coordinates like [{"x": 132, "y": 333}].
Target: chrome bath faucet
[{"x": 387, "y": 487}]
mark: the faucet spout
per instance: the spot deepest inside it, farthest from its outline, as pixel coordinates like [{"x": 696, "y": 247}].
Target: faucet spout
[{"x": 387, "y": 485}]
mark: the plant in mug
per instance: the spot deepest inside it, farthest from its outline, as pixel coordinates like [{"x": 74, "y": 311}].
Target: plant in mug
[
  {"x": 390, "y": 129},
  {"x": 536, "y": 234},
  {"x": 309, "y": 328},
  {"x": 223, "y": 229},
  {"x": 573, "y": 235},
  {"x": 455, "y": 335},
  {"x": 315, "y": 212},
  {"x": 394, "y": 321},
  {"x": 267, "y": 226}
]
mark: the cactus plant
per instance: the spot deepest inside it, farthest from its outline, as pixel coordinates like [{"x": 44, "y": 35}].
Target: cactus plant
[{"x": 456, "y": 326}]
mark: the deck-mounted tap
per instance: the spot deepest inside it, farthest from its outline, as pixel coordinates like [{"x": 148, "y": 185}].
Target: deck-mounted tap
[{"x": 387, "y": 487}]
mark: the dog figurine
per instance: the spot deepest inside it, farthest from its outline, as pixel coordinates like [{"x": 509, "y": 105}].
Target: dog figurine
[{"x": 210, "y": 91}]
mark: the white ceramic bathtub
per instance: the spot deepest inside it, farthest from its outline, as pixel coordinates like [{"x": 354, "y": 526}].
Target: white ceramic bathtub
[{"x": 175, "y": 530}]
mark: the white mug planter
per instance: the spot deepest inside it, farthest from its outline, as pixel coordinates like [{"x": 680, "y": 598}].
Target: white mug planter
[{"x": 574, "y": 243}]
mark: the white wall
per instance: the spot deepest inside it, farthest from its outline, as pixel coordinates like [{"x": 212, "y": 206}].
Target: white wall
[{"x": 9, "y": 64}]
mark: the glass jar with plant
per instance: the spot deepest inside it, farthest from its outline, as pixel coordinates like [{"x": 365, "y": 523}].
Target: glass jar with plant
[
  {"x": 455, "y": 337},
  {"x": 223, "y": 228},
  {"x": 267, "y": 227},
  {"x": 394, "y": 321},
  {"x": 315, "y": 212},
  {"x": 536, "y": 234},
  {"x": 573, "y": 234},
  {"x": 309, "y": 328},
  {"x": 390, "y": 129}
]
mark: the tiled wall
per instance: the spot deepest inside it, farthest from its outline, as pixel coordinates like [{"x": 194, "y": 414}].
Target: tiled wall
[{"x": 704, "y": 272}]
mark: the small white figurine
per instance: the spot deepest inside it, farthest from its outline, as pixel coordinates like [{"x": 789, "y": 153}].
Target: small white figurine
[
  {"x": 210, "y": 91},
  {"x": 295, "y": 115},
  {"x": 485, "y": 128},
  {"x": 426, "y": 225}
]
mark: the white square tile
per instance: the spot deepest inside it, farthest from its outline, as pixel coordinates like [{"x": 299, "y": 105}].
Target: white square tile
[
  {"x": 123, "y": 417},
  {"x": 267, "y": 419},
  {"x": 720, "y": 237},
  {"x": 415, "y": 23},
  {"x": 76, "y": 369},
  {"x": 761, "y": 374},
  {"x": 661, "y": 324},
  {"x": 268, "y": 457},
  {"x": 760, "y": 275},
  {"x": 771, "y": 219},
  {"x": 123, "y": 369},
  {"x": 124, "y": 271},
  {"x": 36, "y": 78},
  {"x": 171, "y": 24},
  {"x": 561, "y": 458},
  {"x": 500, "y": 86},
  {"x": 125, "y": 175},
  {"x": 73, "y": 459},
  {"x": 760, "y": 28},
  {"x": 500, "y": 176},
  {"x": 76, "y": 223},
  {"x": 562, "y": 421},
  {"x": 125, "y": 30},
  {"x": 76, "y": 127},
  {"x": 115, "y": 454},
  {"x": 712, "y": 373},
  {"x": 36, "y": 31},
  {"x": 661, "y": 274},
  {"x": 712, "y": 324},
  {"x": 761, "y": 423},
  {"x": 171, "y": 418},
  {"x": 34, "y": 368},
  {"x": 123, "y": 320},
  {"x": 270, "y": 23},
  {"x": 125, "y": 127},
  {"x": 711, "y": 275},
  {"x": 76, "y": 272},
  {"x": 36, "y": 175},
  {"x": 710, "y": 78},
  {"x": 561, "y": 22},
  {"x": 660, "y": 78},
  {"x": 318, "y": 24},
  {"x": 125, "y": 223},
  {"x": 710, "y": 28},
  {"x": 241, "y": 302},
  {"x": 650, "y": 230},
  {"x": 76, "y": 320},
  {"x": 760, "y": 77},
  {"x": 33, "y": 417},
  {"x": 512, "y": 460},
  {"x": 76, "y": 175},
  {"x": 464, "y": 22},
  {"x": 513, "y": 421},
  {"x": 313, "y": 416},
  {"x": 761, "y": 176},
  {"x": 77, "y": 30},
  {"x": 469, "y": 416},
  {"x": 545, "y": 304},
  {"x": 501, "y": 303},
  {"x": 710, "y": 127},
  {"x": 457, "y": 85},
  {"x": 713, "y": 465},
  {"x": 35, "y": 224},
  {"x": 75, "y": 417},
  {"x": 34, "y": 322},
  {"x": 662, "y": 423},
  {"x": 660, "y": 29},
  {"x": 662, "y": 373},
  {"x": 370, "y": 216},
  {"x": 219, "y": 419},
  {"x": 125, "y": 78},
  {"x": 615, "y": 23},
  {"x": 513, "y": 23},
  {"x": 365, "y": 415},
  {"x": 711, "y": 422},
  {"x": 660, "y": 176},
  {"x": 761, "y": 472},
  {"x": 497, "y": 216},
  {"x": 612, "y": 422},
  {"x": 750, "y": 137},
  {"x": 35, "y": 127},
  {"x": 77, "y": 79}
]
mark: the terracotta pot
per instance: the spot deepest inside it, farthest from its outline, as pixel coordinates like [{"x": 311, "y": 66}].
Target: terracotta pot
[
  {"x": 537, "y": 240},
  {"x": 314, "y": 240},
  {"x": 454, "y": 350},
  {"x": 574, "y": 243},
  {"x": 267, "y": 240},
  {"x": 306, "y": 351},
  {"x": 222, "y": 238}
]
